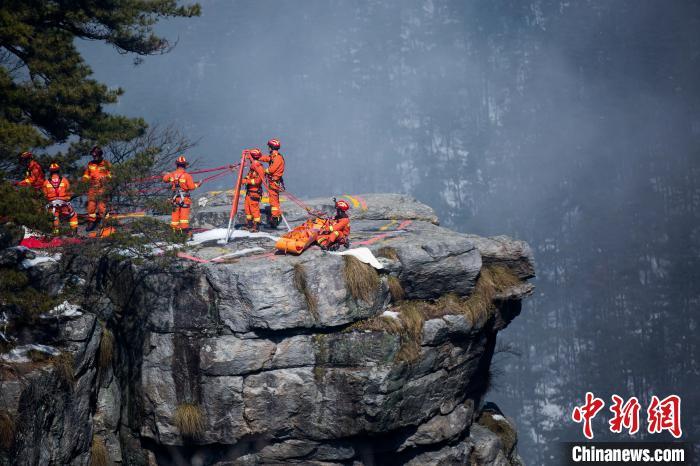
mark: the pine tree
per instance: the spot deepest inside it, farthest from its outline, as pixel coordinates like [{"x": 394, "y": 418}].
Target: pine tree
[{"x": 47, "y": 95}]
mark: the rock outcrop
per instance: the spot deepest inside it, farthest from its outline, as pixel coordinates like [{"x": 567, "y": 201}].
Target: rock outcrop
[{"x": 233, "y": 355}]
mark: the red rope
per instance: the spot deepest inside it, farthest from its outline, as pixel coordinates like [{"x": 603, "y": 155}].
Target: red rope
[
  {"x": 213, "y": 177},
  {"x": 196, "y": 172}
]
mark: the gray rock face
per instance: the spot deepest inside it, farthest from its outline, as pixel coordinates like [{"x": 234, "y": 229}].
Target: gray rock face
[{"x": 229, "y": 362}]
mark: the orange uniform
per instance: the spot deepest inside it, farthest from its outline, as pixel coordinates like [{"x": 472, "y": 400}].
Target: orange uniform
[
  {"x": 57, "y": 192},
  {"x": 34, "y": 176},
  {"x": 97, "y": 174},
  {"x": 253, "y": 183},
  {"x": 182, "y": 184},
  {"x": 275, "y": 183},
  {"x": 337, "y": 232}
]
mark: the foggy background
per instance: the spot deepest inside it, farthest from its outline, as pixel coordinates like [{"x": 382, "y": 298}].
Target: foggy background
[{"x": 573, "y": 125}]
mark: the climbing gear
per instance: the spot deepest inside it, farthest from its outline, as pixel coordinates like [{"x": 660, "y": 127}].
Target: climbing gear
[
  {"x": 255, "y": 153},
  {"x": 181, "y": 184},
  {"x": 181, "y": 161},
  {"x": 96, "y": 174},
  {"x": 96, "y": 152},
  {"x": 274, "y": 144},
  {"x": 26, "y": 155},
  {"x": 54, "y": 167}
]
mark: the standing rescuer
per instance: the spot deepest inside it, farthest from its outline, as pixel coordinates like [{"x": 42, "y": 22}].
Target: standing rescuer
[
  {"x": 34, "y": 174},
  {"x": 57, "y": 191},
  {"x": 97, "y": 173},
  {"x": 338, "y": 229},
  {"x": 275, "y": 183},
  {"x": 253, "y": 184},
  {"x": 182, "y": 184}
]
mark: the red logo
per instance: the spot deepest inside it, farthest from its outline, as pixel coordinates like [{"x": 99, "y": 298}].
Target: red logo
[
  {"x": 665, "y": 415},
  {"x": 662, "y": 415},
  {"x": 625, "y": 415},
  {"x": 587, "y": 412}
]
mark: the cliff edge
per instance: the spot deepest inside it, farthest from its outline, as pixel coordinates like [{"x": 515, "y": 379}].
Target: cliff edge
[{"x": 230, "y": 354}]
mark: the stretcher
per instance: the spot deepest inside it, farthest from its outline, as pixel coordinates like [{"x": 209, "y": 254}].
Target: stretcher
[{"x": 303, "y": 236}]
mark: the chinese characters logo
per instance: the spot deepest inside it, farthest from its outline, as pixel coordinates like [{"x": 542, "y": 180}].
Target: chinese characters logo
[{"x": 662, "y": 415}]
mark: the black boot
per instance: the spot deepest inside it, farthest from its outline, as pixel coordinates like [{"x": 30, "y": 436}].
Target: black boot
[
  {"x": 274, "y": 222},
  {"x": 91, "y": 226},
  {"x": 254, "y": 228}
]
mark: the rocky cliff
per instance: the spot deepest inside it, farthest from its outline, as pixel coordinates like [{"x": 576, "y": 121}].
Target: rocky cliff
[{"x": 233, "y": 355}]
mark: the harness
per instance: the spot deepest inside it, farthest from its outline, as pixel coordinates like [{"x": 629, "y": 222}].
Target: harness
[
  {"x": 64, "y": 208},
  {"x": 179, "y": 196},
  {"x": 276, "y": 180},
  {"x": 254, "y": 190}
]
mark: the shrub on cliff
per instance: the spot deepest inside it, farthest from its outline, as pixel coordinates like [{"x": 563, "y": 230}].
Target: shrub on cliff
[{"x": 189, "y": 419}]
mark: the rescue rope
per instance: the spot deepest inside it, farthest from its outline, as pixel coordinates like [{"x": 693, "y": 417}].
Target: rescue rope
[{"x": 196, "y": 172}]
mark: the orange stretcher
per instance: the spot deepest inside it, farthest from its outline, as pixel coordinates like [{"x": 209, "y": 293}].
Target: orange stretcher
[{"x": 303, "y": 236}]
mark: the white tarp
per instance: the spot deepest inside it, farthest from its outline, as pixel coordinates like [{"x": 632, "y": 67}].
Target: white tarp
[
  {"x": 363, "y": 254},
  {"x": 220, "y": 234}
]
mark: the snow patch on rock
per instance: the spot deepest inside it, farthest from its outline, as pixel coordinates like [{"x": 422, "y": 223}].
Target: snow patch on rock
[
  {"x": 20, "y": 353},
  {"x": 65, "y": 309},
  {"x": 29, "y": 263}
]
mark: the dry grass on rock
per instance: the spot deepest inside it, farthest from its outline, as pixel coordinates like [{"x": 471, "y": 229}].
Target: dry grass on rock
[
  {"x": 388, "y": 252},
  {"x": 302, "y": 287},
  {"x": 361, "y": 279},
  {"x": 395, "y": 289},
  {"x": 106, "y": 349},
  {"x": 412, "y": 314},
  {"x": 189, "y": 420},
  {"x": 501, "y": 427},
  {"x": 7, "y": 429},
  {"x": 99, "y": 456},
  {"x": 64, "y": 366}
]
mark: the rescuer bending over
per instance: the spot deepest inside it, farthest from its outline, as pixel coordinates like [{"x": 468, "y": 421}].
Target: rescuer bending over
[
  {"x": 57, "y": 191},
  {"x": 34, "y": 175},
  {"x": 338, "y": 231}
]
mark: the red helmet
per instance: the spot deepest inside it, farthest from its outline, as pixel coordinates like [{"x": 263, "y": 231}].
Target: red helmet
[
  {"x": 342, "y": 205},
  {"x": 26, "y": 155},
  {"x": 181, "y": 161},
  {"x": 54, "y": 167},
  {"x": 274, "y": 144},
  {"x": 255, "y": 153},
  {"x": 96, "y": 152}
]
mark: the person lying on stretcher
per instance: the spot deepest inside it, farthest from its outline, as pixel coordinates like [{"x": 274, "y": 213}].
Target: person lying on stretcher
[{"x": 336, "y": 232}]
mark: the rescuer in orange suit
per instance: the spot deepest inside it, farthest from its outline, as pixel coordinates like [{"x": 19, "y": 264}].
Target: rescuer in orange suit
[
  {"x": 34, "y": 175},
  {"x": 57, "y": 191},
  {"x": 253, "y": 183},
  {"x": 338, "y": 230},
  {"x": 97, "y": 173},
  {"x": 275, "y": 183},
  {"x": 182, "y": 184}
]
